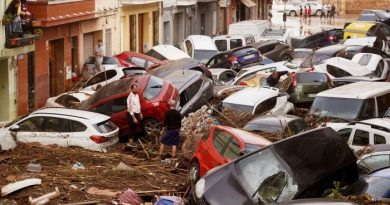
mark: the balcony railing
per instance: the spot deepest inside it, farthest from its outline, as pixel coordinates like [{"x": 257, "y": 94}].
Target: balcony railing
[{"x": 20, "y": 33}]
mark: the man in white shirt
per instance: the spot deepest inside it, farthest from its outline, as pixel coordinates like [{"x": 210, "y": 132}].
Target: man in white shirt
[
  {"x": 134, "y": 114},
  {"x": 99, "y": 53}
]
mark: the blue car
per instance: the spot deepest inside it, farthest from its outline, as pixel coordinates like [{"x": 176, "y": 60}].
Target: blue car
[{"x": 236, "y": 58}]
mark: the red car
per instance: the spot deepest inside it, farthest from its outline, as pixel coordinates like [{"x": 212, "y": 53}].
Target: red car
[
  {"x": 222, "y": 145},
  {"x": 154, "y": 94},
  {"x": 131, "y": 59}
]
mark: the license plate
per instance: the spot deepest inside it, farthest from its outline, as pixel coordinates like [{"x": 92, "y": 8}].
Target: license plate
[
  {"x": 250, "y": 56},
  {"x": 312, "y": 95}
]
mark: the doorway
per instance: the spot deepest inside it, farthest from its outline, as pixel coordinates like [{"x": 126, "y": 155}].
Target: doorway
[
  {"x": 108, "y": 42},
  {"x": 31, "y": 81},
  {"x": 203, "y": 24},
  {"x": 140, "y": 33},
  {"x": 56, "y": 67},
  {"x": 133, "y": 33}
]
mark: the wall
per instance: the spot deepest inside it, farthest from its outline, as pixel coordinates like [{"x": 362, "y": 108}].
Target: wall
[
  {"x": 4, "y": 90},
  {"x": 23, "y": 86},
  {"x": 210, "y": 9}
]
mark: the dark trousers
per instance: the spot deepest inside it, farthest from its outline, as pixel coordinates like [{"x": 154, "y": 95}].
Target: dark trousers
[{"x": 135, "y": 130}]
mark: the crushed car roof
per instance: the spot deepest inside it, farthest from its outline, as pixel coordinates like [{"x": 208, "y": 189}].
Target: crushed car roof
[{"x": 359, "y": 90}]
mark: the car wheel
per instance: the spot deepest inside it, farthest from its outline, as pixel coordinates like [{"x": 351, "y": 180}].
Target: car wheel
[
  {"x": 318, "y": 13},
  {"x": 151, "y": 126},
  {"x": 286, "y": 57},
  {"x": 293, "y": 13},
  {"x": 193, "y": 174}
]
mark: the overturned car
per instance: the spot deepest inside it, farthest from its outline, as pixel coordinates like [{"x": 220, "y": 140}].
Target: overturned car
[{"x": 302, "y": 166}]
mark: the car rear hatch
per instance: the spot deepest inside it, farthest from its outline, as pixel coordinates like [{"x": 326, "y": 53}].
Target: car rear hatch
[
  {"x": 107, "y": 133},
  {"x": 247, "y": 55},
  {"x": 308, "y": 84}
]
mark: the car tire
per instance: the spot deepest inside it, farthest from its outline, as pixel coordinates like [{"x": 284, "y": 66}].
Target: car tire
[
  {"x": 293, "y": 13},
  {"x": 286, "y": 57},
  {"x": 151, "y": 126},
  {"x": 193, "y": 173},
  {"x": 318, "y": 12}
]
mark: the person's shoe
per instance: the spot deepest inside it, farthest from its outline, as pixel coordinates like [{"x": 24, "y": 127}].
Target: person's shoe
[{"x": 130, "y": 145}]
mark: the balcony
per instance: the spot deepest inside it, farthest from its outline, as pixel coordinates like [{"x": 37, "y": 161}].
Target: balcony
[{"x": 21, "y": 33}]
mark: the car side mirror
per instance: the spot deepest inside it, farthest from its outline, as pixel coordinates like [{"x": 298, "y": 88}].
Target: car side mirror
[{"x": 14, "y": 128}]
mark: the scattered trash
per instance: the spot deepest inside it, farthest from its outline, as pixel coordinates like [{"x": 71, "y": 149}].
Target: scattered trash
[
  {"x": 33, "y": 167},
  {"x": 84, "y": 203},
  {"x": 122, "y": 166},
  {"x": 169, "y": 200},
  {"x": 166, "y": 161},
  {"x": 73, "y": 186},
  {"x": 102, "y": 192},
  {"x": 9, "y": 188},
  {"x": 45, "y": 198},
  {"x": 130, "y": 197},
  {"x": 78, "y": 166}
]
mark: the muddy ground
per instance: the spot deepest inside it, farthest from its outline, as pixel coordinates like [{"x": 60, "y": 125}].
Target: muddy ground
[{"x": 147, "y": 177}]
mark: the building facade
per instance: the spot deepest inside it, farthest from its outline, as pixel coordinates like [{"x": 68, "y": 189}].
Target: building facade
[
  {"x": 16, "y": 60},
  {"x": 71, "y": 30},
  {"x": 206, "y": 14},
  {"x": 140, "y": 24}
]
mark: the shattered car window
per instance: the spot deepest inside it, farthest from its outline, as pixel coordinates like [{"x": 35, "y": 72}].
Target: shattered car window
[
  {"x": 266, "y": 178},
  {"x": 153, "y": 88}
]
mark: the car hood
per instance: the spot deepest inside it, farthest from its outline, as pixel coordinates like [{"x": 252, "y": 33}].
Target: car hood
[{"x": 251, "y": 95}]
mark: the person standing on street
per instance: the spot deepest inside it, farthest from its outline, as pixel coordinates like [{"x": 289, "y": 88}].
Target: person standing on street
[
  {"x": 134, "y": 115},
  {"x": 332, "y": 12},
  {"x": 309, "y": 14},
  {"x": 172, "y": 127},
  {"x": 99, "y": 53},
  {"x": 305, "y": 14},
  {"x": 300, "y": 14},
  {"x": 322, "y": 13}
]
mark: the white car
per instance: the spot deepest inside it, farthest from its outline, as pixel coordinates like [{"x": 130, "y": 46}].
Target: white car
[
  {"x": 107, "y": 64},
  {"x": 337, "y": 67},
  {"x": 278, "y": 35},
  {"x": 377, "y": 159},
  {"x": 259, "y": 100},
  {"x": 228, "y": 42},
  {"x": 200, "y": 47},
  {"x": 366, "y": 132},
  {"x": 223, "y": 76},
  {"x": 63, "y": 127},
  {"x": 166, "y": 52},
  {"x": 374, "y": 62},
  {"x": 108, "y": 76},
  {"x": 69, "y": 99}
]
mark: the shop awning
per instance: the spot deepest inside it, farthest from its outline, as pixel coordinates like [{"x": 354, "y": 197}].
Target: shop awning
[{"x": 248, "y": 3}]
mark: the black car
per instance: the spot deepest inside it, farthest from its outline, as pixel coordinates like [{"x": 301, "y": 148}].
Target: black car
[
  {"x": 375, "y": 15},
  {"x": 181, "y": 64},
  {"x": 274, "y": 50},
  {"x": 302, "y": 166},
  {"x": 235, "y": 59},
  {"x": 320, "y": 39}
]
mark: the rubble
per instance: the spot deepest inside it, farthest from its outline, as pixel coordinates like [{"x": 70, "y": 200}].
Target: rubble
[
  {"x": 5, "y": 190},
  {"x": 45, "y": 198}
]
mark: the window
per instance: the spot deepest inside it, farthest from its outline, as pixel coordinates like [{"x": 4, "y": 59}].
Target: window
[
  {"x": 119, "y": 104},
  {"x": 373, "y": 163},
  {"x": 183, "y": 99},
  {"x": 53, "y": 124},
  {"x": 383, "y": 104},
  {"x": 130, "y": 72},
  {"x": 267, "y": 48},
  {"x": 104, "y": 108},
  {"x": 379, "y": 139},
  {"x": 33, "y": 124},
  {"x": 336, "y": 72},
  {"x": 368, "y": 110},
  {"x": 311, "y": 77},
  {"x": 77, "y": 126},
  {"x": 221, "y": 45},
  {"x": 225, "y": 144},
  {"x": 235, "y": 43},
  {"x": 249, "y": 40},
  {"x": 296, "y": 126},
  {"x": 361, "y": 138},
  {"x": 220, "y": 141},
  {"x": 226, "y": 76},
  {"x": 265, "y": 106},
  {"x": 153, "y": 88},
  {"x": 109, "y": 60},
  {"x": 67, "y": 101},
  {"x": 189, "y": 47},
  {"x": 138, "y": 61},
  {"x": 194, "y": 88},
  {"x": 103, "y": 76},
  {"x": 155, "y": 54},
  {"x": 345, "y": 133},
  {"x": 106, "y": 127},
  {"x": 347, "y": 108},
  {"x": 365, "y": 59}
]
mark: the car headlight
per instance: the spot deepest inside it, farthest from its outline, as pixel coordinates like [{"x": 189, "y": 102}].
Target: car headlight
[{"x": 199, "y": 188}]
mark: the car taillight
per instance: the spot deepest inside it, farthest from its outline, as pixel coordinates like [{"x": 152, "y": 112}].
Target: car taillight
[
  {"x": 99, "y": 139},
  {"x": 243, "y": 83},
  {"x": 332, "y": 38},
  {"x": 232, "y": 59}
]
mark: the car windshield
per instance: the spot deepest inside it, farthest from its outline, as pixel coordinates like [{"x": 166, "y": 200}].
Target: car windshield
[
  {"x": 263, "y": 127},
  {"x": 342, "y": 108},
  {"x": 239, "y": 107},
  {"x": 311, "y": 77},
  {"x": 109, "y": 61},
  {"x": 204, "y": 55},
  {"x": 153, "y": 88},
  {"x": 265, "y": 179},
  {"x": 314, "y": 59}
]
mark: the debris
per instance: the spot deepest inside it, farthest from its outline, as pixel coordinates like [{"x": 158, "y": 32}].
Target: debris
[
  {"x": 78, "y": 166},
  {"x": 7, "y": 189},
  {"x": 84, "y": 203},
  {"x": 122, "y": 166},
  {"x": 130, "y": 197},
  {"x": 2, "y": 158},
  {"x": 45, "y": 198},
  {"x": 102, "y": 192},
  {"x": 143, "y": 147},
  {"x": 73, "y": 186},
  {"x": 32, "y": 167},
  {"x": 169, "y": 200}
]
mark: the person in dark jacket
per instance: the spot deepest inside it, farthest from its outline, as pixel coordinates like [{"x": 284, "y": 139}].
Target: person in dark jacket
[
  {"x": 172, "y": 127},
  {"x": 273, "y": 79}
]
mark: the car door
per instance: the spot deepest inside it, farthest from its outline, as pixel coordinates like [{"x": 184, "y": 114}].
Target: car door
[
  {"x": 31, "y": 130},
  {"x": 214, "y": 149},
  {"x": 361, "y": 137},
  {"x": 192, "y": 97},
  {"x": 77, "y": 134},
  {"x": 56, "y": 131}
]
